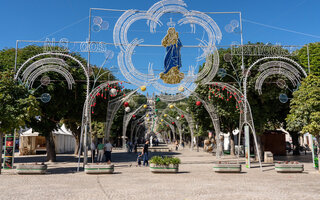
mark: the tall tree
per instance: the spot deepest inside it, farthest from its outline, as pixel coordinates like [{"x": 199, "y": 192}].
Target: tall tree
[
  {"x": 17, "y": 105},
  {"x": 305, "y": 108},
  {"x": 314, "y": 57}
]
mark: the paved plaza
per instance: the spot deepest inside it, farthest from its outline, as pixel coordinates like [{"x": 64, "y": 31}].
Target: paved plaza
[{"x": 196, "y": 180}]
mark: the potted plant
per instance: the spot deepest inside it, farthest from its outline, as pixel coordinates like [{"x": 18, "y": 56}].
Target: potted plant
[
  {"x": 31, "y": 168},
  {"x": 227, "y": 167},
  {"x": 165, "y": 164}
]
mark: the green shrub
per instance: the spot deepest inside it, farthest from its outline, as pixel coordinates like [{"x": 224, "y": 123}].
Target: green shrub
[{"x": 158, "y": 160}]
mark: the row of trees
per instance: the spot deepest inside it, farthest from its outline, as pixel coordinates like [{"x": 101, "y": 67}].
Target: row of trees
[
  {"x": 268, "y": 112},
  {"x": 20, "y": 106}
]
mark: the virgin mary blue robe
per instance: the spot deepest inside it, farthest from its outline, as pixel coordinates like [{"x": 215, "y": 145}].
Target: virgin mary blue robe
[{"x": 173, "y": 56}]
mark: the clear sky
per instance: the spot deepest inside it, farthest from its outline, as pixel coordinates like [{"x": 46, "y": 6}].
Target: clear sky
[
  {"x": 36, "y": 19},
  {"x": 286, "y": 22}
]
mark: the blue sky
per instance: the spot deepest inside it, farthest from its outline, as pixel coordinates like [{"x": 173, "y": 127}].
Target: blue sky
[
  {"x": 36, "y": 19},
  {"x": 286, "y": 22}
]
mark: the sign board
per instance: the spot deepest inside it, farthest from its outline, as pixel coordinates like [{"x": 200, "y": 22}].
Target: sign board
[{"x": 8, "y": 151}]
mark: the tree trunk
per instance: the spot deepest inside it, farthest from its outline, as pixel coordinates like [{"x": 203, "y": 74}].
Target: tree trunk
[
  {"x": 51, "y": 148},
  {"x": 1, "y": 135},
  {"x": 295, "y": 142},
  {"x": 260, "y": 148},
  {"x": 232, "y": 148},
  {"x": 77, "y": 145}
]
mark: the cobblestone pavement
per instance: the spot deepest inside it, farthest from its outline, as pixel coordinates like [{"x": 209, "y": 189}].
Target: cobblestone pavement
[{"x": 196, "y": 180}]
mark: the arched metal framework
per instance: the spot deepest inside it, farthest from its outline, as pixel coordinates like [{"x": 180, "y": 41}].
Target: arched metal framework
[
  {"x": 178, "y": 126},
  {"x": 288, "y": 66},
  {"x": 190, "y": 122},
  {"x": 60, "y": 62},
  {"x": 172, "y": 129},
  {"x": 113, "y": 107},
  {"x": 49, "y": 68},
  {"x": 133, "y": 126},
  {"x": 126, "y": 119}
]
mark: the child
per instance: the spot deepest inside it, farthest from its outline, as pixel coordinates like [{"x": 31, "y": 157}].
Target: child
[{"x": 139, "y": 160}]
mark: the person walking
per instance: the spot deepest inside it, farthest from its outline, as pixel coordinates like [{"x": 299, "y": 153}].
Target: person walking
[
  {"x": 145, "y": 153},
  {"x": 177, "y": 145},
  {"x": 100, "y": 152},
  {"x": 108, "y": 150},
  {"x": 93, "y": 151}
]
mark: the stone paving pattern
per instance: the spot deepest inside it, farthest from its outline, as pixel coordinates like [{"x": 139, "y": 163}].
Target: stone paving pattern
[{"x": 196, "y": 180}]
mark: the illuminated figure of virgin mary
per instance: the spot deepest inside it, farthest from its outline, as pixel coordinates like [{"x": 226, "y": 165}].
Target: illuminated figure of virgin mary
[{"x": 172, "y": 61}]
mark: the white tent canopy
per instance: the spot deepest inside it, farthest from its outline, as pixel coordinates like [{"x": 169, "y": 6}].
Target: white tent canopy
[{"x": 64, "y": 140}]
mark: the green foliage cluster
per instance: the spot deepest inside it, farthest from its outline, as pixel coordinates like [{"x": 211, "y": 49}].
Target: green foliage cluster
[
  {"x": 314, "y": 55},
  {"x": 166, "y": 160},
  {"x": 305, "y": 107},
  {"x": 17, "y": 105}
]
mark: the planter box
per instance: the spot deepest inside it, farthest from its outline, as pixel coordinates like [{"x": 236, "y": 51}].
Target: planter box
[
  {"x": 31, "y": 169},
  {"x": 227, "y": 168},
  {"x": 164, "y": 168},
  {"x": 99, "y": 169},
  {"x": 289, "y": 168}
]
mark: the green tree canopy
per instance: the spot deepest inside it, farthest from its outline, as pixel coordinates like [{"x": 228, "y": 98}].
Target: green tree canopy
[{"x": 305, "y": 107}]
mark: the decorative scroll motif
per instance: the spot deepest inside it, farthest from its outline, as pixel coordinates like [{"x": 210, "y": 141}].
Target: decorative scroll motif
[{"x": 277, "y": 67}]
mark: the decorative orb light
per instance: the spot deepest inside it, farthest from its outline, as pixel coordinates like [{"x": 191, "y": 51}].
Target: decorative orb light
[
  {"x": 147, "y": 115},
  {"x": 148, "y": 120},
  {"x": 162, "y": 120},
  {"x": 143, "y": 88},
  {"x": 178, "y": 118},
  {"x": 126, "y": 104},
  {"x": 181, "y": 89},
  {"x": 113, "y": 92},
  {"x": 133, "y": 116},
  {"x": 127, "y": 109},
  {"x": 198, "y": 103},
  {"x": 156, "y": 110},
  {"x": 145, "y": 106},
  {"x": 171, "y": 106},
  {"x": 160, "y": 123},
  {"x": 172, "y": 123},
  {"x": 165, "y": 115},
  {"x": 182, "y": 116},
  {"x": 157, "y": 99}
]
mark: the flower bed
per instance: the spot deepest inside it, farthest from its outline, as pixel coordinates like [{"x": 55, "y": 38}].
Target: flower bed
[
  {"x": 164, "y": 164},
  {"x": 99, "y": 168},
  {"x": 289, "y": 167},
  {"x": 33, "y": 168},
  {"x": 225, "y": 167}
]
